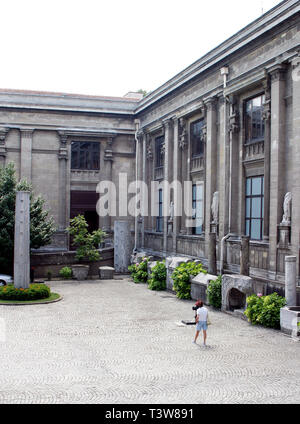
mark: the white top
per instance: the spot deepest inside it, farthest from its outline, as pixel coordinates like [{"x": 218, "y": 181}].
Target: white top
[{"x": 202, "y": 313}]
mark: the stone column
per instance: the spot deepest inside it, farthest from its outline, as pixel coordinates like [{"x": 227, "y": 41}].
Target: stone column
[
  {"x": 245, "y": 262},
  {"x": 139, "y": 172},
  {"x": 290, "y": 281},
  {"x": 144, "y": 157},
  {"x": 223, "y": 168},
  {"x": 212, "y": 257},
  {"x": 211, "y": 165},
  {"x": 166, "y": 125},
  {"x": 267, "y": 142},
  {"x": 22, "y": 240},
  {"x": 108, "y": 161},
  {"x": 295, "y": 224},
  {"x": 176, "y": 170},
  {"x": 183, "y": 142},
  {"x": 26, "y": 153},
  {"x": 3, "y": 133},
  {"x": 277, "y": 158},
  {"x": 62, "y": 185}
]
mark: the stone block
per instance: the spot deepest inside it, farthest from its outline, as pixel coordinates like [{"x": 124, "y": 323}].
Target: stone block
[
  {"x": 290, "y": 320},
  {"x": 171, "y": 264},
  {"x": 235, "y": 290},
  {"x": 151, "y": 265},
  {"x": 122, "y": 246},
  {"x": 106, "y": 273},
  {"x": 199, "y": 286}
]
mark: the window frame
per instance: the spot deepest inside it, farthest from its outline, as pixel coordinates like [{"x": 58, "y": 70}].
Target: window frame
[
  {"x": 197, "y": 140},
  {"x": 159, "y": 218},
  {"x": 196, "y": 201},
  {"x": 251, "y": 196},
  {"x": 252, "y": 140},
  {"x": 159, "y": 161},
  {"x": 85, "y": 160}
]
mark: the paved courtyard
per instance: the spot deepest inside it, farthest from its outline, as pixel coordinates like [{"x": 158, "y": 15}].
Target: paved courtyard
[{"x": 117, "y": 342}]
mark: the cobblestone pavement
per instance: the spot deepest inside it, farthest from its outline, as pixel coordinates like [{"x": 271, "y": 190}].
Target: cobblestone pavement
[{"x": 117, "y": 342}]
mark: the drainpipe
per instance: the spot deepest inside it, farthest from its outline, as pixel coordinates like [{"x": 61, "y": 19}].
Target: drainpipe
[
  {"x": 137, "y": 127},
  {"x": 224, "y": 72}
]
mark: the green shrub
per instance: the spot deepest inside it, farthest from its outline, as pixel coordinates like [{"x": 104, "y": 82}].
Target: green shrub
[
  {"x": 49, "y": 275},
  {"x": 214, "y": 293},
  {"x": 66, "y": 273},
  {"x": 34, "y": 292},
  {"x": 158, "y": 277},
  {"x": 265, "y": 310},
  {"x": 181, "y": 278},
  {"x": 139, "y": 271}
]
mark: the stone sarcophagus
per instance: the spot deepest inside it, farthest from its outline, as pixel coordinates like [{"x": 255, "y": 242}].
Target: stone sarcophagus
[{"x": 235, "y": 290}]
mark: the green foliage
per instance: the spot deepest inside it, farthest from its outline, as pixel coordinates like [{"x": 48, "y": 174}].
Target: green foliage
[
  {"x": 181, "y": 278},
  {"x": 34, "y": 292},
  {"x": 139, "y": 271},
  {"x": 265, "y": 310},
  {"x": 158, "y": 277},
  {"x": 41, "y": 225},
  {"x": 214, "y": 293},
  {"x": 87, "y": 243},
  {"x": 66, "y": 273}
]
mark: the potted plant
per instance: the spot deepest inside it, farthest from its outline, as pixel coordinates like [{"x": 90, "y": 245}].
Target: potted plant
[{"x": 87, "y": 245}]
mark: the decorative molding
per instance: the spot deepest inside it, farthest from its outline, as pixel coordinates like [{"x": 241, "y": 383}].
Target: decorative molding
[
  {"x": 234, "y": 117},
  {"x": 278, "y": 72},
  {"x": 149, "y": 153},
  {"x": 182, "y": 134},
  {"x": 108, "y": 152},
  {"x": 26, "y": 133}
]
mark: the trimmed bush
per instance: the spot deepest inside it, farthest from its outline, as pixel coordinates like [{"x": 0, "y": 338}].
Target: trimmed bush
[
  {"x": 181, "y": 278},
  {"x": 139, "y": 272},
  {"x": 34, "y": 292},
  {"x": 158, "y": 277},
  {"x": 265, "y": 310},
  {"x": 66, "y": 273},
  {"x": 214, "y": 293}
]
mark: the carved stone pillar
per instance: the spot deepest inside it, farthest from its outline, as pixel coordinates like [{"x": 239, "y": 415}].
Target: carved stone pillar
[
  {"x": 166, "y": 148},
  {"x": 277, "y": 158},
  {"x": 211, "y": 164},
  {"x": 3, "y": 133},
  {"x": 144, "y": 158},
  {"x": 149, "y": 176},
  {"x": 223, "y": 168},
  {"x": 183, "y": 155},
  {"x": 176, "y": 173},
  {"x": 108, "y": 161},
  {"x": 295, "y": 224},
  {"x": 62, "y": 184},
  {"x": 26, "y": 153},
  {"x": 267, "y": 141}
]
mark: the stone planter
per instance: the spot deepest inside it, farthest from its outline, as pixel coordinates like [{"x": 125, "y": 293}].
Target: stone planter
[
  {"x": 290, "y": 320},
  {"x": 80, "y": 272}
]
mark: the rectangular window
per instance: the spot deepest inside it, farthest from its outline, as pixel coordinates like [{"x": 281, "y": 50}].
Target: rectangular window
[
  {"x": 159, "y": 158},
  {"x": 254, "y": 122},
  {"x": 197, "y": 199},
  {"x": 159, "y": 219},
  {"x": 255, "y": 207},
  {"x": 85, "y": 155},
  {"x": 196, "y": 136}
]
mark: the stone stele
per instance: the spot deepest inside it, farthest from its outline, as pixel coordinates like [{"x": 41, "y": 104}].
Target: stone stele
[
  {"x": 122, "y": 246},
  {"x": 22, "y": 240}
]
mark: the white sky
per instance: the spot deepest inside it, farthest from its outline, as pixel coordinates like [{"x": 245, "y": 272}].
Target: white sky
[{"x": 111, "y": 47}]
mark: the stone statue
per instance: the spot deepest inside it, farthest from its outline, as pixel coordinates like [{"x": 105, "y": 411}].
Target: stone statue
[
  {"x": 215, "y": 208},
  {"x": 287, "y": 207},
  {"x": 171, "y": 211}
]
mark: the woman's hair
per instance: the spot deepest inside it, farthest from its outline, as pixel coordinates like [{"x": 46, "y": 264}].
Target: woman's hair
[{"x": 199, "y": 303}]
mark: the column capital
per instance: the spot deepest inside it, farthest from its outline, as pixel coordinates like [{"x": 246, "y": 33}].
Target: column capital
[
  {"x": 26, "y": 132},
  {"x": 63, "y": 137},
  {"x": 278, "y": 72},
  {"x": 210, "y": 103},
  {"x": 166, "y": 123},
  {"x": 3, "y": 134}
]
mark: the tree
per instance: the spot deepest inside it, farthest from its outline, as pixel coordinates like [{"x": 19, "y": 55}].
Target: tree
[
  {"x": 41, "y": 225},
  {"x": 143, "y": 92}
]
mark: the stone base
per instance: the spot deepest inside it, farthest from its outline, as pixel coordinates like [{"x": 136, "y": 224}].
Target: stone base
[
  {"x": 199, "y": 286},
  {"x": 289, "y": 320},
  {"x": 106, "y": 273},
  {"x": 80, "y": 272}
]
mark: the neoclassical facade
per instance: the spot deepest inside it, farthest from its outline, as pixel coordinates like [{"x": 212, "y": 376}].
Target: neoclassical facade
[{"x": 229, "y": 124}]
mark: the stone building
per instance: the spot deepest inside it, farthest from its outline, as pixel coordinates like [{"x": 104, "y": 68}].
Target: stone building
[{"x": 229, "y": 124}]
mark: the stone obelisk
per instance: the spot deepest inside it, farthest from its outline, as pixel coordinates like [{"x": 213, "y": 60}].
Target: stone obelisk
[{"x": 22, "y": 240}]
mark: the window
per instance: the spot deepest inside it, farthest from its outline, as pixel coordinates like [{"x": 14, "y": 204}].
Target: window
[
  {"x": 196, "y": 134},
  {"x": 159, "y": 158},
  {"x": 85, "y": 155},
  {"x": 159, "y": 219},
  {"x": 197, "y": 199},
  {"x": 254, "y": 207},
  {"x": 254, "y": 123}
]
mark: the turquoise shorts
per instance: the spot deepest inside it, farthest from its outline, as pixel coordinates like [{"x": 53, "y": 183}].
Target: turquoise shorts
[{"x": 201, "y": 325}]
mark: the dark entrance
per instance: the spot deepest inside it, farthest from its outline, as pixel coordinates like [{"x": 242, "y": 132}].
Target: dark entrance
[
  {"x": 84, "y": 203},
  {"x": 237, "y": 300}
]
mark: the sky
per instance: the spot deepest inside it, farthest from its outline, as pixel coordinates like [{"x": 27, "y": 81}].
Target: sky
[{"x": 110, "y": 47}]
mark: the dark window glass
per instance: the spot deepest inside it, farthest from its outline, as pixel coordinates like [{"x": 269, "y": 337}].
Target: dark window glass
[
  {"x": 196, "y": 135},
  {"x": 255, "y": 207},
  {"x": 255, "y": 126},
  {"x": 85, "y": 155},
  {"x": 159, "y": 157},
  {"x": 159, "y": 219},
  {"x": 197, "y": 199}
]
